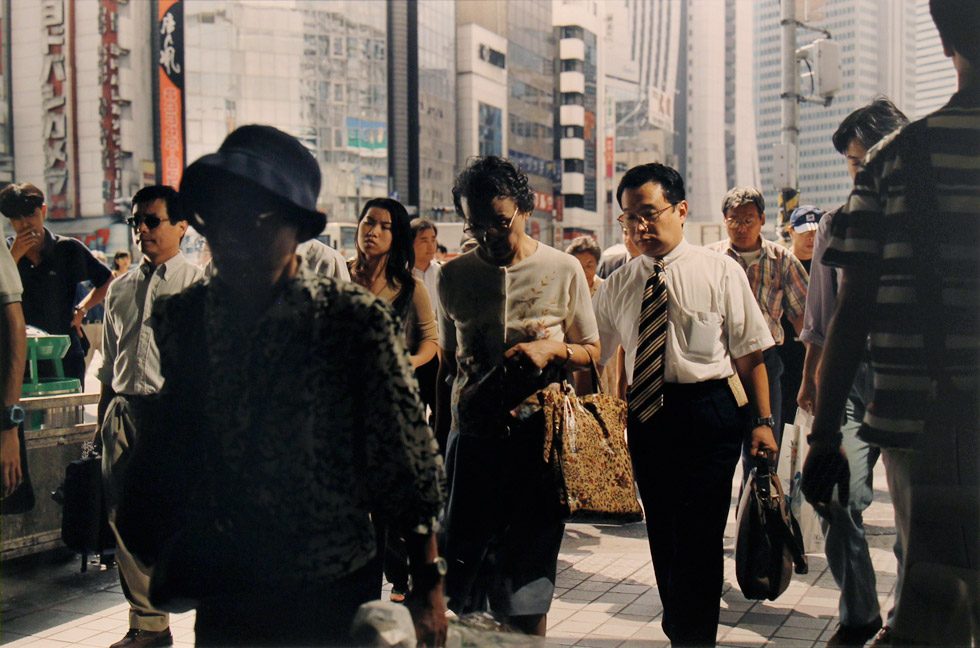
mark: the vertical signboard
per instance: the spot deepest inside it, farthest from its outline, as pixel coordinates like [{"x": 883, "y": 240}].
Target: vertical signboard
[
  {"x": 54, "y": 110},
  {"x": 169, "y": 36},
  {"x": 109, "y": 104}
]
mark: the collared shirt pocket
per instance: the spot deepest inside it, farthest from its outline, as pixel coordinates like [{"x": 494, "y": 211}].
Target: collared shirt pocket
[{"x": 704, "y": 339}]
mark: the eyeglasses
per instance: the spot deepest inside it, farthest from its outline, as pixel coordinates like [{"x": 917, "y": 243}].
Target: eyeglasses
[
  {"x": 741, "y": 222},
  {"x": 151, "y": 221},
  {"x": 480, "y": 232},
  {"x": 630, "y": 220}
]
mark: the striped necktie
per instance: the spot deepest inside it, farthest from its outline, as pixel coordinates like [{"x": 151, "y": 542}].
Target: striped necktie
[{"x": 647, "y": 390}]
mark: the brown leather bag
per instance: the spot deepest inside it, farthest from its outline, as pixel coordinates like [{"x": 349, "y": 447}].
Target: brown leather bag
[
  {"x": 768, "y": 541},
  {"x": 585, "y": 443}
]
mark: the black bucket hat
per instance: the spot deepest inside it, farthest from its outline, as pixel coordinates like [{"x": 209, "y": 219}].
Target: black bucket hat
[{"x": 268, "y": 159}]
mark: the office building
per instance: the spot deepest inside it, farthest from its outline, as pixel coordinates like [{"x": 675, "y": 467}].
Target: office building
[
  {"x": 935, "y": 76},
  {"x": 877, "y": 40}
]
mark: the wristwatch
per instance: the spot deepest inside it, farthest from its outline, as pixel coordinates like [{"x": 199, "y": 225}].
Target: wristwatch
[
  {"x": 13, "y": 415},
  {"x": 428, "y": 576},
  {"x": 764, "y": 420},
  {"x": 82, "y": 310}
]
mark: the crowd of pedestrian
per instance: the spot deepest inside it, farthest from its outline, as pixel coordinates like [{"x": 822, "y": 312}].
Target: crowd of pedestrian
[{"x": 349, "y": 419}]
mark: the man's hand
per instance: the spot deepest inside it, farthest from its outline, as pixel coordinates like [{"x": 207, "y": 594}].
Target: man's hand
[
  {"x": 24, "y": 243},
  {"x": 10, "y": 460},
  {"x": 825, "y": 467},
  {"x": 807, "y": 395},
  {"x": 763, "y": 442},
  {"x": 428, "y": 610},
  {"x": 539, "y": 353}
]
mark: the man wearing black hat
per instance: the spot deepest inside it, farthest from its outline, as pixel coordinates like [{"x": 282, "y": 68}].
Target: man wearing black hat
[{"x": 288, "y": 416}]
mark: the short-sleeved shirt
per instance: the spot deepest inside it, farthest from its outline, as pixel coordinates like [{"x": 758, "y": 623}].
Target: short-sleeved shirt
[
  {"x": 821, "y": 295},
  {"x": 10, "y": 288},
  {"x": 486, "y": 309},
  {"x": 49, "y": 287},
  {"x": 876, "y": 232},
  {"x": 712, "y": 315},
  {"x": 130, "y": 357},
  {"x": 778, "y": 282}
]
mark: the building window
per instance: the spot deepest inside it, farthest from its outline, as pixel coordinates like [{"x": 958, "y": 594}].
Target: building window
[
  {"x": 493, "y": 57},
  {"x": 572, "y": 65},
  {"x": 572, "y": 99},
  {"x": 573, "y": 31},
  {"x": 573, "y": 131},
  {"x": 573, "y": 166},
  {"x": 574, "y": 200},
  {"x": 491, "y": 130}
]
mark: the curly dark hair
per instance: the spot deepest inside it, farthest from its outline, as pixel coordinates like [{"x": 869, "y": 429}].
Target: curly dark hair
[
  {"x": 491, "y": 177},
  {"x": 401, "y": 257}
]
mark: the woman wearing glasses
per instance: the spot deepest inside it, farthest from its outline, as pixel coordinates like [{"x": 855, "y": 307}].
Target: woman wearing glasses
[
  {"x": 383, "y": 265},
  {"x": 516, "y": 315}
]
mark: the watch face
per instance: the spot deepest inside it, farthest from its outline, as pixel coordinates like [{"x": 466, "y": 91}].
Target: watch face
[{"x": 13, "y": 415}]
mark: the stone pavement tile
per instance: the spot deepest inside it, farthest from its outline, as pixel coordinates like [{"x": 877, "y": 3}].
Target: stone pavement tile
[
  {"x": 624, "y": 588},
  {"x": 594, "y": 586},
  {"x": 639, "y": 609},
  {"x": 555, "y": 614},
  {"x": 818, "y": 612},
  {"x": 644, "y": 643},
  {"x": 601, "y": 606},
  {"x": 105, "y": 624},
  {"x": 800, "y": 621},
  {"x": 568, "y": 605},
  {"x": 617, "y": 597},
  {"x": 589, "y": 616},
  {"x": 767, "y": 608},
  {"x": 788, "y": 632},
  {"x": 37, "y": 642},
  {"x": 91, "y": 603},
  {"x": 642, "y": 618},
  {"x": 619, "y": 628},
  {"x": 758, "y": 628},
  {"x": 736, "y": 603},
  {"x": 593, "y": 641},
  {"x": 572, "y": 627},
  {"x": 41, "y": 623},
  {"x": 71, "y": 634},
  {"x": 555, "y": 642},
  {"x": 742, "y": 637},
  {"x": 729, "y": 617},
  {"x": 580, "y": 595},
  {"x": 793, "y": 643},
  {"x": 759, "y": 618},
  {"x": 103, "y": 639}
]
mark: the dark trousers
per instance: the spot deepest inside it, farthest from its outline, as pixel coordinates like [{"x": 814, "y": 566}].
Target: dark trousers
[
  {"x": 684, "y": 459},
  {"x": 426, "y": 377}
]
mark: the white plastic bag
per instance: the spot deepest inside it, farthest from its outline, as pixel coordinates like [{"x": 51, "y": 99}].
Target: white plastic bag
[{"x": 792, "y": 453}]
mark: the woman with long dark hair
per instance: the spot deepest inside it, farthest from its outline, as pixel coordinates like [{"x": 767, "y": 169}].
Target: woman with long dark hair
[{"x": 383, "y": 265}]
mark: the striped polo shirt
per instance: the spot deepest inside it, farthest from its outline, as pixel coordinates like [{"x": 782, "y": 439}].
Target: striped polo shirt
[{"x": 877, "y": 230}]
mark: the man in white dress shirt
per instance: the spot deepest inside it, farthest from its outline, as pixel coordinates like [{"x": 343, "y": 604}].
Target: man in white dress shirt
[
  {"x": 131, "y": 369},
  {"x": 686, "y": 448}
]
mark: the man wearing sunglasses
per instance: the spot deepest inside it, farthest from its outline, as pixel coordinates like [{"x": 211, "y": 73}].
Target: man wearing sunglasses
[
  {"x": 50, "y": 268},
  {"x": 131, "y": 370}
]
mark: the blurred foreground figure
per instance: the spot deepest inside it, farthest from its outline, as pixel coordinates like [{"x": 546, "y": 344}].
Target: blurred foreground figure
[
  {"x": 287, "y": 416},
  {"x": 909, "y": 244}
]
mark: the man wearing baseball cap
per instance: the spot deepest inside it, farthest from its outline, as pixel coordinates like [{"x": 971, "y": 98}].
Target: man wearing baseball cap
[{"x": 803, "y": 232}]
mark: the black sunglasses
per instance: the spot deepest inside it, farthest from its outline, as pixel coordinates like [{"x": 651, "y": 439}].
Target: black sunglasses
[{"x": 151, "y": 221}]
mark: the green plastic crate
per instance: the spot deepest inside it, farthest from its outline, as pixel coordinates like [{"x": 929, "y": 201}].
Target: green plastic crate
[{"x": 53, "y": 348}]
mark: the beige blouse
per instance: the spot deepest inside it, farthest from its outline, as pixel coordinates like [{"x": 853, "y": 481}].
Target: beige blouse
[{"x": 420, "y": 322}]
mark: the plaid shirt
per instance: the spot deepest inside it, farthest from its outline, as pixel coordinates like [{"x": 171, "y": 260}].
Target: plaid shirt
[{"x": 778, "y": 281}]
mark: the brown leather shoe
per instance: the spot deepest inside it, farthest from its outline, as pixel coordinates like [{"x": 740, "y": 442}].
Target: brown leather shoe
[{"x": 137, "y": 638}]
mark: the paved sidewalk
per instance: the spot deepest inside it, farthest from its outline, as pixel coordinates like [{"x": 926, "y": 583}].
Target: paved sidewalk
[{"x": 606, "y": 595}]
